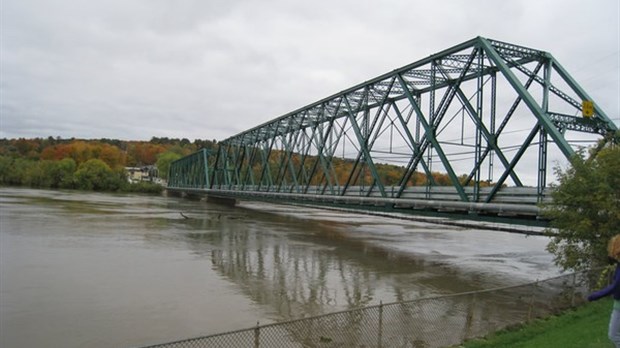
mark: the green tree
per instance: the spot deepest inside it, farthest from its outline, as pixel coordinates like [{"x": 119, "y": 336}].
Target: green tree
[
  {"x": 163, "y": 162},
  {"x": 17, "y": 171},
  {"x": 585, "y": 211},
  {"x": 35, "y": 175},
  {"x": 5, "y": 169},
  {"x": 62, "y": 173},
  {"x": 96, "y": 175}
]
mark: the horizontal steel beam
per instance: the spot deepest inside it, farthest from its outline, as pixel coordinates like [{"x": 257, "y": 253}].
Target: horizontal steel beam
[{"x": 472, "y": 207}]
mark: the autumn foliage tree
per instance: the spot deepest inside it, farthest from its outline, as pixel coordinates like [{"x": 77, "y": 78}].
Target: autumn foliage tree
[
  {"x": 139, "y": 154},
  {"x": 61, "y": 163}
]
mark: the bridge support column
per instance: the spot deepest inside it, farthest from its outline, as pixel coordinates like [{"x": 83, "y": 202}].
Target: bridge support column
[
  {"x": 222, "y": 200},
  {"x": 172, "y": 193}
]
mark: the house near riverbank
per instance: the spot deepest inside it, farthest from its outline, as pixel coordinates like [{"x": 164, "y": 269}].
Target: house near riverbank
[{"x": 143, "y": 173}]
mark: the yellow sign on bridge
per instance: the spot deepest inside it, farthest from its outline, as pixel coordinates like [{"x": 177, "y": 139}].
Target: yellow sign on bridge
[{"x": 587, "y": 107}]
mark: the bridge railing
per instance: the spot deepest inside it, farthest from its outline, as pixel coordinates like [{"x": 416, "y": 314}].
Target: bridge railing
[
  {"x": 510, "y": 202},
  {"x": 429, "y": 322},
  {"x": 513, "y": 195}
]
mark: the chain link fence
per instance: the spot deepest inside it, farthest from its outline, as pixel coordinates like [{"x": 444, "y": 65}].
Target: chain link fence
[{"x": 424, "y": 323}]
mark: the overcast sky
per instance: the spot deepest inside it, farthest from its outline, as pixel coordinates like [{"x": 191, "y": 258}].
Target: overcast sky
[{"x": 209, "y": 69}]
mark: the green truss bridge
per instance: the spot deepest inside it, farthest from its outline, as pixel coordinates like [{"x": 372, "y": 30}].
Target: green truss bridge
[{"x": 468, "y": 132}]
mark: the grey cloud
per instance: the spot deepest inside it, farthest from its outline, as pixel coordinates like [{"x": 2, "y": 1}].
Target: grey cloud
[{"x": 209, "y": 69}]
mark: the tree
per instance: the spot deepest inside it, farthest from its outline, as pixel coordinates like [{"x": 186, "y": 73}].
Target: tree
[
  {"x": 61, "y": 173},
  {"x": 141, "y": 153},
  {"x": 26, "y": 147},
  {"x": 96, "y": 175},
  {"x": 35, "y": 175},
  {"x": 163, "y": 163},
  {"x": 585, "y": 211},
  {"x": 5, "y": 169},
  {"x": 111, "y": 155},
  {"x": 14, "y": 171}
]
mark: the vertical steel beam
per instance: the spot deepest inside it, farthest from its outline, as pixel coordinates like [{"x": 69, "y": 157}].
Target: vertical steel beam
[
  {"x": 479, "y": 126},
  {"x": 542, "y": 164},
  {"x": 542, "y": 138},
  {"x": 493, "y": 138},
  {"x": 206, "y": 168}
]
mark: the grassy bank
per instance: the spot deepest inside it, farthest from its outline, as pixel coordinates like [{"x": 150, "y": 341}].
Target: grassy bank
[{"x": 585, "y": 327}]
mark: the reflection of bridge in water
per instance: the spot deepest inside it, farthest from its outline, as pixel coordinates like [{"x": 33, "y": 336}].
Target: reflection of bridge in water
[
  {"x": 312, "y": 269},
  {"x": 493, "y": 111},
  {"x": 298, "y": 267}
]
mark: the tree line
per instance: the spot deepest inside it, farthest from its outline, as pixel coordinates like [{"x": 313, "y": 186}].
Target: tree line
[{"x": 88, "y": 164}]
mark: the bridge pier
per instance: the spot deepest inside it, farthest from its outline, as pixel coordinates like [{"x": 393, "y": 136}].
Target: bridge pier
[
  {"x": 222, "y": 200},
  {"x": 199, "y": 194},
  {"x": 172, "y": 193}
]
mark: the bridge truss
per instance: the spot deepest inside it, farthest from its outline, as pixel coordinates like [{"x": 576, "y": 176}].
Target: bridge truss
[{"x": 488, "y": 115}]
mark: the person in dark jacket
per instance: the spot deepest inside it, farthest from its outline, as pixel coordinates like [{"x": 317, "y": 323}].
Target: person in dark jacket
[{"x": 612, "y": 289}]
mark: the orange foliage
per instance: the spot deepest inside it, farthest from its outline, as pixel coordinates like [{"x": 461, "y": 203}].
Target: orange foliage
[
  {"x": 81, "y": 151},
  {"x": 115, "y": 153},
  {"x": 78, "y": 150},
  {"x": 112, "y": 156},
  {"x": 142, "y": 153},
  {"x": 25, "y": 147}
]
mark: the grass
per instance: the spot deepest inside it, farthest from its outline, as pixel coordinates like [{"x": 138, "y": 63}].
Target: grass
[{"x": 585, "y": 327}]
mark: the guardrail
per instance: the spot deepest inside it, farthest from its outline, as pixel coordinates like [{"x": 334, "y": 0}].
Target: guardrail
[{"x": 519, "y": 202}]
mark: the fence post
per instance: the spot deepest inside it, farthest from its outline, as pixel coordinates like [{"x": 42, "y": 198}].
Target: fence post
[
  {"x": 469, "y": 319},
  {"x": 529, "y": 310},
  {"x": 257, "y": 335},
  {"x": 379, "y": 339},
  {"x": 572, "y": 295}
]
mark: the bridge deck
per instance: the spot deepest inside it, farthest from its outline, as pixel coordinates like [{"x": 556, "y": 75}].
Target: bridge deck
[{"x": 512, "y": 205}]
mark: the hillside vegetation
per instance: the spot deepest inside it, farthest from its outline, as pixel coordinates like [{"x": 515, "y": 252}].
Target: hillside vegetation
[{"x": 87, "y": 164}]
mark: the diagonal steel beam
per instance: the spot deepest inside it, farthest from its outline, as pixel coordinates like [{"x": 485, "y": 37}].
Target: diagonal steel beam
[
  {"x": 429, "y": 132},
  {"x": 599, "y": 113},
  {"x": 364, "y": 146},
  {"x": 418, "y": 155},
  {"x": 491, "y": 141},
  {"x": 513, "y": 163},
  {"x": 543, "y": 117}
]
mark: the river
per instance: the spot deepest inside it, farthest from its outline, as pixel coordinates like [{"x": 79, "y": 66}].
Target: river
[{"x": 124, "y": 270}]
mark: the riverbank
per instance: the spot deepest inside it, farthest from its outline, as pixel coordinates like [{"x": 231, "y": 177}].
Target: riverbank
[
  {"x": 125, "y": 187},
  {"x": 584, "y": 327}
]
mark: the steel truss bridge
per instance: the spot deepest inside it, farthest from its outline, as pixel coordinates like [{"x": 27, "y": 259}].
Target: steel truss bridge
[{"x": 468, "y": 131}]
